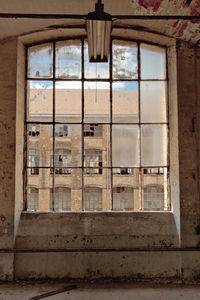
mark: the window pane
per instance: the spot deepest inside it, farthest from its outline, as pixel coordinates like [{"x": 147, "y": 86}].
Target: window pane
[
  {"x": 153, "y": 62},
  {"x": 93, "y": 198},
  {"x": 62, "y": 198},
  {"x": 97, "y": 102},
  {"x": 97, "y": 148},
  {"x": 125, "y": 102},
  {"x": 68, "y": 146},
  {"x": 40, "y": 61},
  {"x": 43, "y": 182},
  {"x": 94, "y": 70},
  {"x": 39, "y": 145},
  {"x": 39, "y": 101},
  {"x": 155, "y": 194},
  {"x": 154, "y": 145},
  {"x": 68, "y": 106},
  {"x": 153, "y": 101},
  {"x": 96, "y": 185},
  {"x": 32, "y": 199},
  {"x": 125, "y": 145},
  {"x": 126, "y": 189},
  {"x": 125, "y": 64},
  {"x": 68, "y": 59},
  {"x": 123, "y": 198}
]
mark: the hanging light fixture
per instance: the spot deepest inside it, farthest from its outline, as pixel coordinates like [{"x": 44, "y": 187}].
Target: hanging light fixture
[{"x": 98, "y": 24}]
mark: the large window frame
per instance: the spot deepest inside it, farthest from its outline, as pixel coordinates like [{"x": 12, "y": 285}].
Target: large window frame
[{"x": 82, "y": 123}]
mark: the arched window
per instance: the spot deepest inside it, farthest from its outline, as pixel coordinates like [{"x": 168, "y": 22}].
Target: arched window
[
  {"x": 107, "y": 119},
  {"x": 154, "y": 197},
  {"x": 62, "y": 200}
]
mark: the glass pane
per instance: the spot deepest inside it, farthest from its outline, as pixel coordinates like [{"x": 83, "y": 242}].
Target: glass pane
[
  {"x": 154, "y": 145},
  {"x": 125, "y": 145},
  {"x": 68, "y": 106},
  {"x": 153, "y": 101},
  {"x": 40, "y": 61},
  {"x": 39, "y": 145},
  {"x": 39, "y": 101},
  {"x": 97, "y": 190},
  {"x": 125, "y": 102},
  {"x": 155, "y": 195},
  {"x": 94, "y": 70},
  {"x": 126, "y": 189},
  {"x": 62, "y": 193},
  {"x": 68, "y": 59},
  {"x": 68, "y": 146},
  {"x": 153, "y": 62},
  {"x": 38, "y": 190},
  {"x": 97, "y": 146},
  {"x": 125, "y": 64},
  {"x": 97, "y": 102}
]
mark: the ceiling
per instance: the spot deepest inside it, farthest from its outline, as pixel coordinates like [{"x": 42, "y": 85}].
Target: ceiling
[{"x": 188, "y": 30}]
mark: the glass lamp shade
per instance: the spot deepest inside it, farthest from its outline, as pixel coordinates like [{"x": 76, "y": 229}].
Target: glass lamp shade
[{"x": 98, "y": 25}]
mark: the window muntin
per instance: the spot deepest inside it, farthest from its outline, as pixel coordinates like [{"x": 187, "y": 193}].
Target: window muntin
[{"x": 117, "y": 109}]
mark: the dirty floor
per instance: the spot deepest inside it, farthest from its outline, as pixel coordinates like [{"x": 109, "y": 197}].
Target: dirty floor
[{"x": 97, "y": 291}]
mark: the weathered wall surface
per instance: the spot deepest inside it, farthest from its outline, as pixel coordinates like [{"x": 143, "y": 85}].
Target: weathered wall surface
[
  {"x": 188, "y": 120},
  {"x": 8, "y": 68},
  {"x": 132, "y": 244}
]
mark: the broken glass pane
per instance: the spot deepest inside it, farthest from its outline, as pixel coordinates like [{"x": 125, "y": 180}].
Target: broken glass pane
[
  {"x": 40, "y": 61},
  {"x": 68, "y": 106},
  {"x": 95, "y": 144},
  {"x": 68, "y": 146},
  {"x": 68, "y": 59},
  {"x": 125, "y": 64},
  {"x": 97, "y": 102},
  {"x": 125, "y": 147},
  {"x": 154, "y": 145},
  {"x": 125, "y": 102},
  {"x": 153, "y": 62},
  {"x": 94, "y": 70},
  {"x": 39, "y": 101},
  {"x": 153, "y": 101}
]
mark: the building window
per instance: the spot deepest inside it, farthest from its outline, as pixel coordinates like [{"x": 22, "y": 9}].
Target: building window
[
  {"x": 93, "y": 162},
  {"x": 33, "y": 161},
  {"x": 93, "y": 130},
  {"x": 32, "y": 199},
  {"x": 154, "y": 197},
  {"x": 62, "y": 199},
  {"x": 123, "y": 198},
  {"x": 103, "y": 124},
  {"x": 93, "y": 198}
]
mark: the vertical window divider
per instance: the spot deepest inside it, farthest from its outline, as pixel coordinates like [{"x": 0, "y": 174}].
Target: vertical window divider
[
  {"x": 25, "y": 185},
  {"x": 82, "y": 120},
  {"x": 140, "y": 135},
  {"x": 111, "y": 120},
  {"x": 53, "y": 181}
]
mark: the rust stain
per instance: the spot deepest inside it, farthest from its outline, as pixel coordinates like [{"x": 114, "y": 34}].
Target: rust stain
[{"x": 154, "y": 4}]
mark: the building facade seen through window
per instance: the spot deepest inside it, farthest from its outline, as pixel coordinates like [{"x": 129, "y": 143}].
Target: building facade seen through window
[{"x": 97, "y": 133}]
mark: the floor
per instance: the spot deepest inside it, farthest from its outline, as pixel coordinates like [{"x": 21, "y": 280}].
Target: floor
[{"x": 97, "y": 291}]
